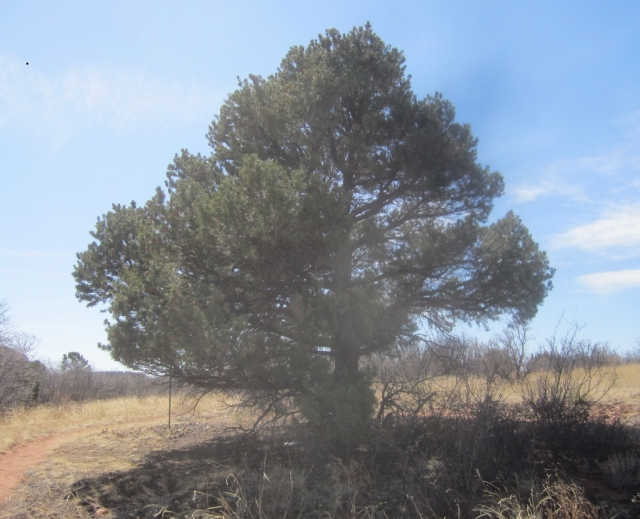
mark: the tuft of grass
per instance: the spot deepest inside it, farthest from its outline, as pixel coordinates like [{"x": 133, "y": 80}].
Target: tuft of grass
[{"x": 556, "y": 499}]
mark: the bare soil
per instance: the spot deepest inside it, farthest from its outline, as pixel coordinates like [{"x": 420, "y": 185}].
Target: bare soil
[
  {"x": 43, "y": 478},
  {"x": 18, "y": 460}
]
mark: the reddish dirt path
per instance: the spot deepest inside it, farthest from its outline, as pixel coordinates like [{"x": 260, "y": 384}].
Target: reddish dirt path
[{"x": 15, "y": 462}]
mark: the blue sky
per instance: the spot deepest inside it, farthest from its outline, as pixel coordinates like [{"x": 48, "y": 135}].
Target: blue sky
[{"x": 114, "y": 89}]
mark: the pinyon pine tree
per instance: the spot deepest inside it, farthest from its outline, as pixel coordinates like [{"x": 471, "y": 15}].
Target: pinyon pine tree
[{"x": 336, "y": 212}]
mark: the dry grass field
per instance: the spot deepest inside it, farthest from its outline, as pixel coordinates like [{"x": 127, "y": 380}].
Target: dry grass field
[
  {"x": 28, "y": 424},
  {"x": 117, "y": 459},
  {"x": 624, "y": 396}
]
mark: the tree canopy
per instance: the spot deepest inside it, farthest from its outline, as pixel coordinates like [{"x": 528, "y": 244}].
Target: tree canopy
[
  {"x": 336, "y": 212},
  {"x": 74, "y": 361}
]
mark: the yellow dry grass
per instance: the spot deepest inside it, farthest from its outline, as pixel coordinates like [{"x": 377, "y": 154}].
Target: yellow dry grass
[
  {"x": 23, "y": 425},
  {"x": 627, "y": 385},
  {"x": 619, "y": 386},
  {"x": 624, "y": 395},
  {"x": 617, "y": 389}
]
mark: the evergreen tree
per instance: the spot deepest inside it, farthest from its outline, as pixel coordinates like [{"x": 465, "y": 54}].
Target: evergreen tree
[
  {"x": 74, "y": 361},
  {"x": 336, "y": 212}
]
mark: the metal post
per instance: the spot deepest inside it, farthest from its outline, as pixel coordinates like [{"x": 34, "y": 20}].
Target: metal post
[{"x": 169, "y": 398}]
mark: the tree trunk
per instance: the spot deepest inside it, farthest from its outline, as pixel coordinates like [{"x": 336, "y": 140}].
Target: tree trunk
[
  {"x": 345, "y": 348},
  {"x": 346, "y": 359}
]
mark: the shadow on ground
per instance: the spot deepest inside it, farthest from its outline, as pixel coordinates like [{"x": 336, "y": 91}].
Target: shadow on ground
[{"x": 431, "y": 468}]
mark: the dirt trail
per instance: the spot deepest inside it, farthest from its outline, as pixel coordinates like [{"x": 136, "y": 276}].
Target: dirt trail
[
  {"x": 14, "y": 463},
  {"x": 20, "y": 459}
]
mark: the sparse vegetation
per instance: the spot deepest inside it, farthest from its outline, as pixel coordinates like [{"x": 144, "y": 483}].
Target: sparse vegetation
[
  {"x": 449, "y": 439},
  {"x": 26, "y": 382},
  {"x": 19, "y": 377},
  {"x": 553, "y": 499},
  {"x": 58, "y": 386}
]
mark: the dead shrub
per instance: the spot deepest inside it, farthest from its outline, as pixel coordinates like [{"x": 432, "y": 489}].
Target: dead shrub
[{"x": 568, "y": 378}]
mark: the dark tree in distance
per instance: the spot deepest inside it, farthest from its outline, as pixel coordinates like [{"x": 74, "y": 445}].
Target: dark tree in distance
[
  {"x": 74, "y": 361},
  {"x": 336, "y": 212}
]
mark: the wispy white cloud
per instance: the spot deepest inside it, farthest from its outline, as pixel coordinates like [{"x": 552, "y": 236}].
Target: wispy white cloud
[
  {"x": 617, "y": 229},
  {"x": 621, "y": 159},
  {"x": 581, "y": 178},
  {"x": 612, "y": 281},
  {"x": 60, "y": 106},
  {"x": 548, "y": 187}
]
